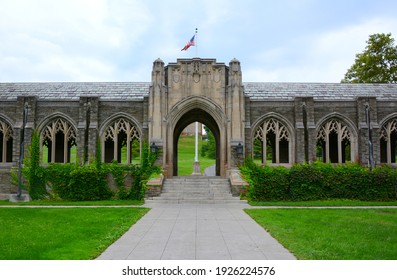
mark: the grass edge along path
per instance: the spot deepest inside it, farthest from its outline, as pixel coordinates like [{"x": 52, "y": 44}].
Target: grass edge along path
[
  {"x": 98, "y": 203},
  {"x": 332, "y": 234},
  {"x": 325, "y": 203},
  {"x": 62, "y": 233}
]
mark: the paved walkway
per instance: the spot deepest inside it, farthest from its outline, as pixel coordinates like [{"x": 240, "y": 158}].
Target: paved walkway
[
  {"x": 202, "y": 232},
  {"x": 210, "y": 170}
]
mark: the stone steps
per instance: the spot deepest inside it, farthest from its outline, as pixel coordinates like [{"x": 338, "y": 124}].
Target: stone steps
[{"x": 196, "y": 190}]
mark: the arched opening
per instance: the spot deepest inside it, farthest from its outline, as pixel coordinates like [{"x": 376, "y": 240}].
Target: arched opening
[
  {"x": 334, "y": 142},
  {"x": 272, "y": 142},
  {"x": 388, "y": 142},
  {"x": 192, "y": 116},
  {"x": 6, "y": 142},
  {"x": 58, "y": 142},
  {"x": 121, "y": 142}
]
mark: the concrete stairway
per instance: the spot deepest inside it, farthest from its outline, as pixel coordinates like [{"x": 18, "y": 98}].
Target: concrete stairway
[{"x": 196, "y": 190}]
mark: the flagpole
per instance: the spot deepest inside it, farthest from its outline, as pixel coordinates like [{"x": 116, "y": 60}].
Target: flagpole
[{"x": 196, "y": 44}]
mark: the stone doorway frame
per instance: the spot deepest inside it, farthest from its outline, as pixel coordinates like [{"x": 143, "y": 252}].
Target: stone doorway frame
[{"x": 189, "y": 110}]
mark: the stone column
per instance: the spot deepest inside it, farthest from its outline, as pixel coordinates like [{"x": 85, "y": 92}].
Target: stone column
[
  {"x": 156, "y": 114},
  {"x": 235, "y": 113},
  {"x": 305, "y": 129},
  {"x": 363, "y": 136},
  {"x": 87, "y": 128},
  {"x": 31, "y": 102}
]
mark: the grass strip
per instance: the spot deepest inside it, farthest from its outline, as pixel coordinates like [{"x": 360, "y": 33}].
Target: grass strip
[
  {"x": 62, "y": 234},
  {"x": 75, "y": 203},
  {"x": 333, "y": 202},
  {"x": 333, "y": 234}
]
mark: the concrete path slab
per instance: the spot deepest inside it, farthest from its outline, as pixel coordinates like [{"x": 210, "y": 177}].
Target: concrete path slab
[{"x": 196, "y": 232}]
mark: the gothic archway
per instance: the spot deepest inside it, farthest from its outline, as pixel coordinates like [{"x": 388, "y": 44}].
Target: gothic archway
[
  {"x": 189, "y": 117},
  {"x": 336, "y": 140}
]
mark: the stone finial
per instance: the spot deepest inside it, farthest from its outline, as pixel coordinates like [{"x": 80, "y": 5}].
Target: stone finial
[
  {"x": 235, "y": 72},
  {"x": 158, "y": 64}
]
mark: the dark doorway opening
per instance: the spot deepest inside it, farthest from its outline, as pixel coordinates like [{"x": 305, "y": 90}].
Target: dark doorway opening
[{"x": 203, "y": 117}]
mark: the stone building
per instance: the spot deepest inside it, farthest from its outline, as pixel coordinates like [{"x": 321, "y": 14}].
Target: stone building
[{"x": 276, "y": 123}]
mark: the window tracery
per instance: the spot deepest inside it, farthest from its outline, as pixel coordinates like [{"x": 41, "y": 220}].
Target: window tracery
[
  {"x": 334, "y": 142},
  {"x": 6, "y": 142},
  {"x": 58, "y": 137},
  {"x": 272, "y": 139},
  {"x": 388, "y": 142},
  {"x": 121, "y": 142}
]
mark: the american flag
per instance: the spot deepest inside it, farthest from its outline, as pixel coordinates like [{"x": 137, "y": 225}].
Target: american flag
[{"x": 189, "y": 44}]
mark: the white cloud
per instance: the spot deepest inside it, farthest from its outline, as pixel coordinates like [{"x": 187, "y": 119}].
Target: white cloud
[
  {"x": 107, "y": 40},
  {"x": 68, "y": 40},
  {"x": 323, "y": 57}
]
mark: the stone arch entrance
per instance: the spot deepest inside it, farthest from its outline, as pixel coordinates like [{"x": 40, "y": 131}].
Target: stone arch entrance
[
  {"x": 188, "y": 118},
  {"x": 197, "y": 90}
]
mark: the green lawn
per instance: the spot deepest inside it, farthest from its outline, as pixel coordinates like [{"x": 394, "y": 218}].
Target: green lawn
[
  {"x": 331, "y": 202},
  {"x": 62, "y": 233},
  {"x": 76, "y": 203},
  {"x": 333, "y": 234},
  {"x": 186, "y": 153}
]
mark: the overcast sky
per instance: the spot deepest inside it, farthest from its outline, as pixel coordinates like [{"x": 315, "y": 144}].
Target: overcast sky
[{"x": 118, "y": 40}]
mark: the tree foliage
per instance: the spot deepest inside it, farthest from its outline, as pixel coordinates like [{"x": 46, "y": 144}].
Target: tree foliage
[
  {"x": 376, "y": 64},
  {"x": 208, "y": 149}
]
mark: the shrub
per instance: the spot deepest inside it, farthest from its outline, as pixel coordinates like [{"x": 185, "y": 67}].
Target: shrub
[
  {"x": 309, "y": 181},
  {"x": 266, "y": 183},
  {"x": 88, "y": 183},
  {"x": 76, "y": 182},
  {"x": 384, "y": 179},
  {"x": 319, "y": 181}
]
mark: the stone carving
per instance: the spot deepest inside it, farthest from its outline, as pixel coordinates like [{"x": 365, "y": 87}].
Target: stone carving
[
  {"x": 196, "y": 71},
  {"x": 176, "y": 76}
]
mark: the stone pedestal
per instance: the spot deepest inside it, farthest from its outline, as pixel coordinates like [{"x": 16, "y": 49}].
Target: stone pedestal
[
  {"x": 196, "y": 168},
  {"x": 22, "y": 198}
]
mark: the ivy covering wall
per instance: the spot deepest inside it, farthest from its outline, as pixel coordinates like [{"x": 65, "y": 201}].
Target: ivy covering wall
[{"x": 84, "y": 182}]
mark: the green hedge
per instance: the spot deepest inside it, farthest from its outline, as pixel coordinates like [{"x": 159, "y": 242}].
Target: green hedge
[
  {"x": 272, "y": 183},
  {"x": 78, "y": 182},
  {"x": 86, "y": 182},
  {"x": 90, "y": 182},
  {"x": 319, "y": 181}
]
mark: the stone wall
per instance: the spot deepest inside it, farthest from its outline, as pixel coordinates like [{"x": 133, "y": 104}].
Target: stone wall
[{"x": 216, "y": 94}]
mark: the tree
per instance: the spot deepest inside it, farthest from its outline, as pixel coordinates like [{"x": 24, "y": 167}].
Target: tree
[{"x": 377, "y": 63}]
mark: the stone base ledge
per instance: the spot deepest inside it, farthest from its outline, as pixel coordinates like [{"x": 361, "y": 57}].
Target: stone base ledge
[
  {"x": 22, "y": 198},
  {"x": 154, "y": 186},
  {"x": 237, "y": 184}
]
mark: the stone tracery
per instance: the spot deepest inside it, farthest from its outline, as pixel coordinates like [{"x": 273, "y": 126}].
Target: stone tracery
[
  {"x": 388, "y": 141},
  {"x": 118, "y": 139},
  {"x": 58, "y": 137},
  {"x": 6, "y": 140},
  {"x": 333, "y": 142},
  {"x": 273, "y": 134}
]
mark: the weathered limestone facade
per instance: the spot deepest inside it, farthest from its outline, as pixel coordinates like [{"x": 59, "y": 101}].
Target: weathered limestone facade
[{"x": 289, "y": 122}]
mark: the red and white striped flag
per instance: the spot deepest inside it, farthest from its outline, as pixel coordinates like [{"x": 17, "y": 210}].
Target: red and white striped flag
[{"x": 189, "y": 44}]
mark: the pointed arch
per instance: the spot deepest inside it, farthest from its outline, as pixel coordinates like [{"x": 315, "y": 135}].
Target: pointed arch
[
  {"x": 121, "y": 139},
  {"x": 273, "y": 139},
  {"x": 193, "y": 109},
  {"x": 336, "y": 139},
  {"x": 6, "y": 140},
  {"x": 388, "y": 139},
  {"x": 58, "y": 137}
]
